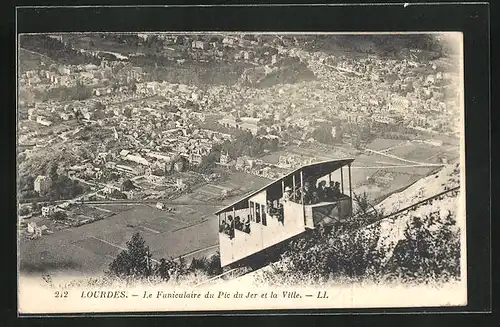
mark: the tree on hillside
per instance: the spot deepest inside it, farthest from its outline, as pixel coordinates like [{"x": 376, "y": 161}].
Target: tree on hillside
[
  {"x": 366, "y": 211},
  {"x": 127, "y": 185},
  {"x": 66, "y": 188},
  {"x": 80, "y": 92},
  {"x": 99, "y": 106},
  {"x": 430, "y": 250},
  {"x": 52, "y": 172},
  {"x": 210, "y": 265},
  {"x": 26, "y": 182},
  {"x": 118, "y": 195},
  {"x": 323, "y": 134},
  {"x": 133, "y": 86},
  {"x": 209, "y": 162},
  {"x": 23, "y": 211},
  {"x": 59, "y": 215},
  {"x": 127, "y": 112},
  {"x": 169, "y": 167},
  {"x": 180, "y": 164},
  {"x": 134, "y": 261},
  {"x": 163, "y": 269}
]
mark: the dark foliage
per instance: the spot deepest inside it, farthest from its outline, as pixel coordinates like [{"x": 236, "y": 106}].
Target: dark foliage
[
  {"x": 424, "y": 255},
  {"x": 323, "y": 134},
  {"x": 59, "y": 215},
  {"x": 127, "y": 185},
  {"x": 66, "y": 93},
  {"x": 208, "y": 162},
  {"x": 99, "y": 106},
  {"x": 136, "y": 261},
  {"x": 133, "y": 261},
  {"x": 26, "y": 183},
  {"x": 62, "y": 186},
  {"x": 429, "y": 251},
  {"x": 118, "y": 195},
  {"x": 23, "y": 211},
  {"x": 210, "y": 265},
  {"x": 247, "y": 144}
]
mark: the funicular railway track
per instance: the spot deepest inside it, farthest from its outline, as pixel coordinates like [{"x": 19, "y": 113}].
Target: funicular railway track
[
  {"x": 416, "y": 204},
  {"x": 237, "y": 272}
]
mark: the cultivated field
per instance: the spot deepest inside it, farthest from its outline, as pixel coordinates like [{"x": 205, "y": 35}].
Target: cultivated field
[
  {"x": 236, "y": 185},
  {"x": 89, "y": 249}
]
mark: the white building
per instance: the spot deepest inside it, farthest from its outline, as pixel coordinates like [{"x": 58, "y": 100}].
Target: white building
[
  {"x": 47, "y": 211},
  {"x": 43, "y": 121},
  {"x": 137, "y": 159},
  {"x": 67, "y": 115},
  {"x": 124, "y": 153},
  {"x": 108, "y": 189},
  {"x": 196, "y": 157},
  {"x": 158, "y": 155},
  {"x": 179, "y": 182},
  {"x": 42, "y": 183},
  {"x": 228, "y": 41},
  {"x": 103, "y": 156},
  {"x": 31, "y": 227},
  {"x": 434, "y": 142},
  {"x": 199, "y": 45},
  {"x": 225, "y": 159}
]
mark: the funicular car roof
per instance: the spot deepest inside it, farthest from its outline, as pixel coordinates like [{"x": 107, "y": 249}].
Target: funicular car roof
[{"x": 314, "y": 170}]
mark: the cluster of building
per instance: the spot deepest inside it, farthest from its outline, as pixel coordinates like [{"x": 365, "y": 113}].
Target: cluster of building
[
  {"x": 101, "y": 78},
  {"x": 149, "y": 125},
  {"x": 250, "y": 49}
]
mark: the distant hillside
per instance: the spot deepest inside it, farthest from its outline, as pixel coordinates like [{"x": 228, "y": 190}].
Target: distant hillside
[
  {"x": 29, "y": 60},
  {"x": 286, "y": 72},
  {"x": 55, "y": 49},
  {"x": 429, "y": 46},
  {"x": 417, "y": 245}
]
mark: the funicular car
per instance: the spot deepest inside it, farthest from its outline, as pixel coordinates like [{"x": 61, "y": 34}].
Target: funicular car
[{"x": 306, "y": 198}]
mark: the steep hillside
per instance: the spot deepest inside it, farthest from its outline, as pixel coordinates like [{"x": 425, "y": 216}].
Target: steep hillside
[
  {"x": 421, "y": 244},
  {"x": 287, "y": 71}
]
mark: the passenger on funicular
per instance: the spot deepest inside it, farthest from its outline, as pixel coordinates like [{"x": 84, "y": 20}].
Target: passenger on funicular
[
  {"x": 307, "y": 193},
  {"x": 238, "y": 224},
  {"x": 313, "y": 195},
  {"x": 246, "y": 226},
  {"x": 280, "y": 213},
  {"x": 321, "y": 191},
  {"x": 222, "y": 227},
  {"x": 336, "y": 191},
  {"x": 330, "y": 191},
  {"x": 272, "y": 209},
  {"x": 296, "y": 195},
  {"x": 333, "y": 192},
  {"x": 269, "y": 207},
  {"x": 229, "y": 230},
  {"x": 286, "y": 195}
]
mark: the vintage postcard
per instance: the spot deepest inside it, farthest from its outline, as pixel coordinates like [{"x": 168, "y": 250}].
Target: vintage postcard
[{"x": 175, "y": 172}]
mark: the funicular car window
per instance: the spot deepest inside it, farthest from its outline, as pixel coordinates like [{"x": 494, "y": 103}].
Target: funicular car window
[
  {"x": 264, "y": 218},
  {"x": 252, "y": 211}
]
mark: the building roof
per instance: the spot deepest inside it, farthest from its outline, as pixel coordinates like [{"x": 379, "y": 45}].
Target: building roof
[{"x": 315, "y": 170}]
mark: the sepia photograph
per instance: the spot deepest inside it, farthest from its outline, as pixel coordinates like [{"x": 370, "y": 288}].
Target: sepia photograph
[{"x": 174, "y": 171}]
